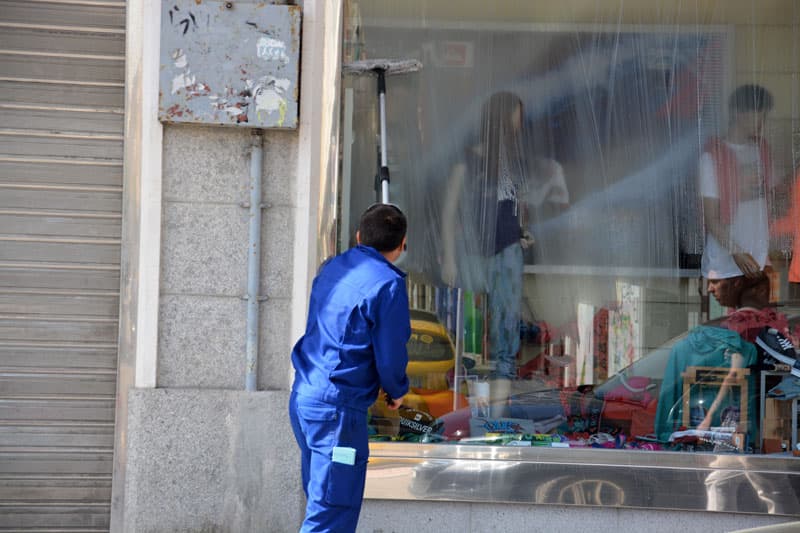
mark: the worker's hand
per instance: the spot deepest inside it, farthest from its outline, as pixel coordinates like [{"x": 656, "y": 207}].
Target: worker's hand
[
  {"x": 393, "y": 404},
  {"x": 749, "y": 266},
  {"x": 527, "y": 240}
]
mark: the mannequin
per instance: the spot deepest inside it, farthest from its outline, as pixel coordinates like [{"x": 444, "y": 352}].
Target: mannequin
[{"x": 482, "y": 235}]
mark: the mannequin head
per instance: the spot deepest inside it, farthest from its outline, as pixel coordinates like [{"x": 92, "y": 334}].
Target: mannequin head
[
  {"x": 748, "y": 107},
  {"x": 501, "y": 133},
  {"x": 502, "y": 113}
]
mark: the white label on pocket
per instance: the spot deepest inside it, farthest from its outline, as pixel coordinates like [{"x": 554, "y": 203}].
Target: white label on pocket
[{"x": 344, "y": 455}]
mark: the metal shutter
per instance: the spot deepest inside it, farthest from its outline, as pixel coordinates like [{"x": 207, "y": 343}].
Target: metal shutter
[{"x": 61, "y": 140}]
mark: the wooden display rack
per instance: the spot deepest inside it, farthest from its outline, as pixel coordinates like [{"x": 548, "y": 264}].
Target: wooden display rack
[{"x": 713, "y": 376}]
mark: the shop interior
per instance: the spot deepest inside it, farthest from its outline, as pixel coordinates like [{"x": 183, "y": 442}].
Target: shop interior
[{"x": 582, "y": 182}]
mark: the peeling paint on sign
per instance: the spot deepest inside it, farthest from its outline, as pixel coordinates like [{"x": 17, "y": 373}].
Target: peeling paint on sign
[
  {"x": 271, "y": 96},
  {"x": 230, "y": 65},
  {"x": 179, "y": 58}
]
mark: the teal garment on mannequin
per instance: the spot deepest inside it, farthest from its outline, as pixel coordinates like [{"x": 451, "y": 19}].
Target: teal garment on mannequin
[{"x": 704, "y": 346}]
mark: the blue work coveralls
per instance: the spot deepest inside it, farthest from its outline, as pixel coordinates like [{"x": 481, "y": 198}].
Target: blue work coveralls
[{"x": 355, "y": 342}]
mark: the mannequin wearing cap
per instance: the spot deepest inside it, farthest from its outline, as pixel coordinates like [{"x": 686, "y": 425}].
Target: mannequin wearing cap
[{"x": 735, "y": 178}]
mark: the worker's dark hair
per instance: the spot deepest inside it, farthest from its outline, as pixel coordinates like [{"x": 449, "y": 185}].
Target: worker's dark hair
[
  {"x": 748, "y": 98},
  {"x": 382, "y": 226}
]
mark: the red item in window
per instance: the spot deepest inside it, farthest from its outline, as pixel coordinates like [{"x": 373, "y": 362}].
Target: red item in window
[{"x": 749, "y": 322}]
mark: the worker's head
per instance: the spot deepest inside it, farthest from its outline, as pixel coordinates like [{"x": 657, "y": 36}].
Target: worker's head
[
  {"x": 383, "y": 227},
  {"x": 748, "y": 106}
]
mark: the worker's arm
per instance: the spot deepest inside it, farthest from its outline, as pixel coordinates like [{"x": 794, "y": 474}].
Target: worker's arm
[
  {"x": 730, "y": 379},
  {"x": 390, "y": 333}
]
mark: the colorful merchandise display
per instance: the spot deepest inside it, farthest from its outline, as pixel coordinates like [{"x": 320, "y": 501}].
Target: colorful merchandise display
[{"x": 704, "y": 399}]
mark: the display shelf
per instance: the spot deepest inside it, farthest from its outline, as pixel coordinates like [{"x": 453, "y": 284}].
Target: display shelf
[
  {"x": 612, "y": 271},
  {"x": 763, "y": 404},
  {"x": 715, "y": 377}
]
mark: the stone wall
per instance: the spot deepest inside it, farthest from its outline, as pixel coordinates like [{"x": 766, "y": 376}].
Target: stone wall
[{"x": 203, "y": 455}]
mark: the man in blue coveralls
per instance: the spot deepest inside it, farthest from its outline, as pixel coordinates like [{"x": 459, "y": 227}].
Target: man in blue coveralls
[{"x": 355, "y": 343}]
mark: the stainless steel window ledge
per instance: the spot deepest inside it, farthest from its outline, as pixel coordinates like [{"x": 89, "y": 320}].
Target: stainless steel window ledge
[{"x": 587, "y": 477}]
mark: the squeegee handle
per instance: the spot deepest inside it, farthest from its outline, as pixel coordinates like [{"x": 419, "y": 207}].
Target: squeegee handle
[
  {"x": 382, "y": 104},
  {"x": 384, "y": 185},
  {"x": 384, "y": 160},
  {"x": 381, "y": 73}
]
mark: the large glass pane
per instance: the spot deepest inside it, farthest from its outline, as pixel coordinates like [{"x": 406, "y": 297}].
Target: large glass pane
[{"x": 602, "y": 217}]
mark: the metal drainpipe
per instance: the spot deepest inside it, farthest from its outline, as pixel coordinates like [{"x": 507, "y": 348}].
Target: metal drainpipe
[{"x": 254, "y": 257}]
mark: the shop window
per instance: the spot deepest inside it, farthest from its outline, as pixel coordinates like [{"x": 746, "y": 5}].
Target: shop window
[{"x": 602, "y": 219}]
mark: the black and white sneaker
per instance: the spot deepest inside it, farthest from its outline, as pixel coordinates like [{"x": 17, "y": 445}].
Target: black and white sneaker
[{"x": 780, "y": 348}]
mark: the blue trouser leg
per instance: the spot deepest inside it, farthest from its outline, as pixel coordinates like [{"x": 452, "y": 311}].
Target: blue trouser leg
[
  {"x": 505, "y": 296},
  {"x": 334, "y": 490},
  {"x": 305, "y": 451}
]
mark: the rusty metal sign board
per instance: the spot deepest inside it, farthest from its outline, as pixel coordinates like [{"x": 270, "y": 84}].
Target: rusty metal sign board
[{"x": 229, "y": 63}]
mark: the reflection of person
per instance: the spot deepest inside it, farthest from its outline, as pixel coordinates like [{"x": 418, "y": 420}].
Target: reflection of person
[
  {"x": 481, "y": 229},
  {"x": 748, "y": 303},
  {"x": 749, "y": 296},
  {"x": 703, "y": 347},
  {"x": 735, "y": 174},
  {"x": 727, "y": 346},
  {"x": 731, "y": 474},
  {"x": 739, "y": 292},
  {"x": 355, "y": 342}
]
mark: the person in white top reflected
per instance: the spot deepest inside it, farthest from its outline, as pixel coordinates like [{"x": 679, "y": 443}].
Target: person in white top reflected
[{"x": 735, "y": 175}]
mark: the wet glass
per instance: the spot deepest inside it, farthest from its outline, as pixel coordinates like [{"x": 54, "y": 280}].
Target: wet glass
[{"x": 575, "y": 175}]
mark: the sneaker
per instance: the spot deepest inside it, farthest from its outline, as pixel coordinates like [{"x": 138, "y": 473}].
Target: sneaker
[
  {"x": 779, "y": 347},
  {"x": 787, "y": 389}
]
